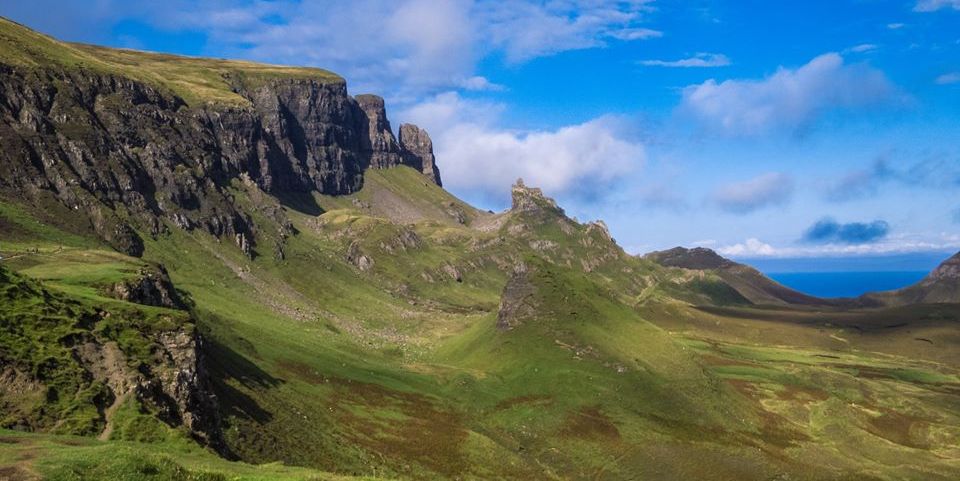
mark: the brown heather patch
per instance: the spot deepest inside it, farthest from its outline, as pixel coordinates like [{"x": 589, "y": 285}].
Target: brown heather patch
[
  {"x": 895, "y": 427},
  {"x": 589, "y": 423},
  {"x": 14, "y": 473},
  {"x": 403, "y": 427},
  {"x": 802, "y": 394},
  {"x": 776, "y": 432},
  {"x": 712, "y": 360}
]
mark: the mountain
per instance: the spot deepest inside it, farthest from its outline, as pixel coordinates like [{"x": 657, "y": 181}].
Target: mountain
[
  {"x": 225, "y": 270},
  {"x": 751, "y": 284},
  {"x": 942, "y": 285}
]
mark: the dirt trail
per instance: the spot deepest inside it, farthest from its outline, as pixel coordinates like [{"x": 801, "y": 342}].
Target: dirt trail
[{"x": 110, "y": 412}]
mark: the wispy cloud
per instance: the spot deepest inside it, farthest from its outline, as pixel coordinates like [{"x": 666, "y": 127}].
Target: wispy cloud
[
  {"x": 699, "y": 60},
  {"x": 790, "y": 98},
  {"x": 829, "y": 231},
  {"x": 770, "y": 189},
  {"x": 948, "y": 78},
  {"x": 863, "y": 48},
  {"x": 934, "y": 5},
  {"x": 936, "y": 170},
  {"x": 579, "y": 160},
  {"x": 896, "y": 26}
]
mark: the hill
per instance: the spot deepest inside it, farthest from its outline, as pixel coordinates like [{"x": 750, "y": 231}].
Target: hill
[{"x": 281, "y": 256}]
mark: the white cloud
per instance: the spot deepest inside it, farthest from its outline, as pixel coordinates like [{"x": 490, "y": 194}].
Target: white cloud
[
  {"x": 750, "y": 248},
  {"x": 949, "y": 78},
  {"x": 474, "y": 155},
  {"x": 479, "y": 84},
  {"x": 701, "y": 59},
  {"x": 789, "y": 99},
  {"x": 525, "y": 29},
  {"x": 896, "y": 26},
  {"x": 774, "y": 188},
  {"x": 863, "y": 48},
  {"x": 934, "y": 5}
]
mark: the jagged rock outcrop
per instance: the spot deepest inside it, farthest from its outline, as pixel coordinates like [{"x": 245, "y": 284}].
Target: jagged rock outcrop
[
  {"x": 151, "y": 287},
  {"x": 532, "y": 200},
  {"x": 418, "y": 151},
  {"x": 516, "y": 300},
  {"x": 379, "y": 145}
]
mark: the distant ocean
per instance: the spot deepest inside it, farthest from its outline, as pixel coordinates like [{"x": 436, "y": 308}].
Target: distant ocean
[{"x": 846, "y": 284}]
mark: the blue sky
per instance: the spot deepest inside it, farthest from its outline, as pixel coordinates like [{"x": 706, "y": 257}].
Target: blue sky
[{"x": 760, "y": 129}]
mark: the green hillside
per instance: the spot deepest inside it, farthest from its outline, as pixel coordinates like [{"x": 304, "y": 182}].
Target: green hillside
[{"x": 399, "y": 333}]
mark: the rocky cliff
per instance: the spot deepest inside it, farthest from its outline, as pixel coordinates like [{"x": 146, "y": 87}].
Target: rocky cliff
[{"x": 135, "y": 158}]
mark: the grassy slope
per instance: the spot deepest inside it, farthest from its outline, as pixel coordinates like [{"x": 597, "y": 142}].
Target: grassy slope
[
  {"x": 387, "y": 372},
  {"x": 196, "y": 80}
]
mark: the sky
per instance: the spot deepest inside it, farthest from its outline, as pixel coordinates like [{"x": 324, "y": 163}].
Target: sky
[{"x": 764, "y": 130}]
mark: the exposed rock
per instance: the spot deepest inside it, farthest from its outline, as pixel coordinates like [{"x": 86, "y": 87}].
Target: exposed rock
[
  {"x": 185, "y": 381},
  {"x": 516, "y": 300},
  {"x": 452, "y": 272},
  {"x": 152, "y": 287},
  {"x": 356, "y": 257},
  {"x": 380, "y": 146},
  {"x": 418, "y": 152},
  {"x": 532, "y": 200}
]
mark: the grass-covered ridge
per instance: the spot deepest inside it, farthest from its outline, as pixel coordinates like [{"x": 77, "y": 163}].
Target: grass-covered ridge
[{"x": 196, "y": 80}]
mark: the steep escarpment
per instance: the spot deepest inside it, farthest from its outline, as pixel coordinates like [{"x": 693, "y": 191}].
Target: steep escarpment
[{"x": 136, "y": 158}]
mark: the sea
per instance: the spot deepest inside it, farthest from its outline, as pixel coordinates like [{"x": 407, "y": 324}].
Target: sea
[
  {"x": 846, "y": 284},
  {"x": 849, "y": 276}
]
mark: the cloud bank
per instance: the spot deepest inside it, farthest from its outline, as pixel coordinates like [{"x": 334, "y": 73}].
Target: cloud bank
[
  {"x": 788, "y": 99},
  {"x": 934, "y": 5},
  {"x": 475, "y": 155}
]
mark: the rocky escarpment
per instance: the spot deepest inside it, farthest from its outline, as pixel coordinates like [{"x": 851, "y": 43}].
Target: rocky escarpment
[
  {"x": 67, "y": 366},
  {"x": 517, "y": 302},
  {"x": 135, "y": 159},
  {"x": 151, "y": 287}
]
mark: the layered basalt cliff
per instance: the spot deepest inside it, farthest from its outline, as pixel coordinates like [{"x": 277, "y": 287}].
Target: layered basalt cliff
[{"x": 136, "y": 159}]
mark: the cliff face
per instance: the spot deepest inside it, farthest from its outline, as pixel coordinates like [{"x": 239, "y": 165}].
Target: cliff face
[{"x": 135, "y": 159}]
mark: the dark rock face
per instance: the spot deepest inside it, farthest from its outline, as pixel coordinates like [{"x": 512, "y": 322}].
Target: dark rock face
[
  {"x": 532, "y": 200},
  {"x": 134, "y": 159},
  {"x": 379, "y": 146},
  {"x": 418, "y": 151},
  {"x": 516, "y": 300},
  {"x": 151, "y": 288}
]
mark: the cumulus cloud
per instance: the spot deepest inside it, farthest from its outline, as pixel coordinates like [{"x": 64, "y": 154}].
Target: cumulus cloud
[
  {"x": 948, "y": 78},
  {"x": 790, "y": 98},
  {"x": 934, "y": 5},
  {"x": 829, "y": 231},
  {"x": 699, "y": 60},
  {"x": 750, "y": 248},
  {"x": 769, "y": 189},
  {"x": 474, "y": 155}
]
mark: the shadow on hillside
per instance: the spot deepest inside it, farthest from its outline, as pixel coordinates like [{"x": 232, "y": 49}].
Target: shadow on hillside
[
  {"x": 236, "y": 381},
  {"x": 302, "y": 202}
]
